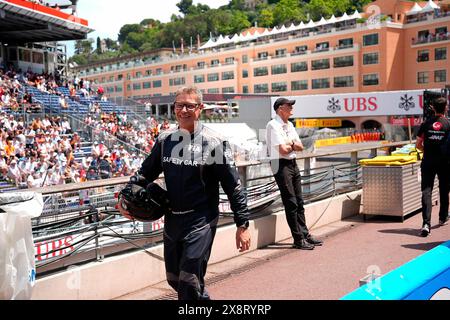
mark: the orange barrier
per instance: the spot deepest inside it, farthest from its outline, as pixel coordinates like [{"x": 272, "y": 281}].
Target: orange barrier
[{"x": 47, "y": 10}]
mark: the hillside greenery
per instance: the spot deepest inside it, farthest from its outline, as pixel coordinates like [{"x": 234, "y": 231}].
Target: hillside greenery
[{"x": 195, "y": 23}]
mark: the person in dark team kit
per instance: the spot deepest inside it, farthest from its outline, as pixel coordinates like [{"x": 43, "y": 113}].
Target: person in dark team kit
[
  {"x": 194, "y": 161},
  {"x": 430, "y": 138}
]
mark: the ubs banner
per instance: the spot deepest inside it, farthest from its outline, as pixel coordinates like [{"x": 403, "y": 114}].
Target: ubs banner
[{"x": 393, "y": 103}]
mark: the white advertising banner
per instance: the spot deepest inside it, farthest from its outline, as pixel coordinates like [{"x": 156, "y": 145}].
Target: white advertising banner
[{"x": 393, "y": 103}]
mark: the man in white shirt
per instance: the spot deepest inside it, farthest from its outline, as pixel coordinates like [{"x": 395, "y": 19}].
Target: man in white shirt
[{"x": 283, "y": 142}]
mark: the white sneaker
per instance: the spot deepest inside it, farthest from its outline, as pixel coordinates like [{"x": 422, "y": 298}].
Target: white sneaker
[{"x": 425, "y": 231}]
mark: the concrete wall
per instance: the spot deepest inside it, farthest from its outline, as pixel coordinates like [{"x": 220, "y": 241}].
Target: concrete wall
[{"x": 117, "y": 276}]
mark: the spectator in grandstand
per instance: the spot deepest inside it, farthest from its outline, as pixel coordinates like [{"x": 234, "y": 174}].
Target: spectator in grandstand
[
  {"x": 430, "y": 138},
  {"x": 13, "y": 173},
  {"x": 194, "y": 197},
  {"x": 283, "y": 142},
  {"x": 104, "y": 167},
  {"x": 65, "y": 126}
]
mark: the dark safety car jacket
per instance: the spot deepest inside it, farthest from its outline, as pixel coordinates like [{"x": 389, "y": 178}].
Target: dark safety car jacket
[{"x": 193, "y": 166}]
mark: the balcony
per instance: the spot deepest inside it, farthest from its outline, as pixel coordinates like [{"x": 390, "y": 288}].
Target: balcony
[
  {"x": 427, "y": 17},
  {"x": 317, "y": 50},
  {"x": 431, "y": 39},
  {"x": 299, "y": 53}
]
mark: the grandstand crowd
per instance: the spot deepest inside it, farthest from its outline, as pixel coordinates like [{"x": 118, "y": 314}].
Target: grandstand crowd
[{"x": 45, "y": 151}]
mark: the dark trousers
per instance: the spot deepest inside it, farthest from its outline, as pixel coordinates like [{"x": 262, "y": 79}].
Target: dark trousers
[
  {"x": 429, "y": 172},
  {"x": 188, "y": 240},
  {"x": 287, "y": 176}
]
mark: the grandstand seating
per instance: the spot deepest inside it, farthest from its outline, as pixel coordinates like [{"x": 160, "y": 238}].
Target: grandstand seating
[{"x": 105, "y": 106}]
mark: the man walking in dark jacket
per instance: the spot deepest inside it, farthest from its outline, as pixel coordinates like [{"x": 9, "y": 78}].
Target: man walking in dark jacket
[{"x": 194, "y": 161}]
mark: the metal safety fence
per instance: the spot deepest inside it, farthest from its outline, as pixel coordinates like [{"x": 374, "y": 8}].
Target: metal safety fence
[{"x": 80, "y": 222}]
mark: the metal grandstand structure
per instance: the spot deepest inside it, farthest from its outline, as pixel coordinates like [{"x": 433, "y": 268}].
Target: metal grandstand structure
[{"x": 29, "y": 35}]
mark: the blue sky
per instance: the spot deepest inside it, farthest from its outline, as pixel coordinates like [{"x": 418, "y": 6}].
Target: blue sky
[{"x": 106, "y": 17}]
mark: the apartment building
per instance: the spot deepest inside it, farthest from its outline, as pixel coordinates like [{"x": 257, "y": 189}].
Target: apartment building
[{"x": 392, "y": 45}]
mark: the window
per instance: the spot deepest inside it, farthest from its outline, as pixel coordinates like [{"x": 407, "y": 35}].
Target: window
[
  {"x": 263, "y": 55},
  {"x": 322, "y": 46},
  {"x": 159, "y": 71},
  {"x": 440, "y": 53},
  {"x": 137, "y": 86},
  {"x": 111, "y": 79},
  {"x": 128, "y": 87},
  {"x": 213, "y": 90},
  {"x": 245, "y": 89},
  {"x": 422, "y": 77},
  {"x": 215, "y": 62},
  {"x": 279, "y": 69},
  {"x": 147, "y": 85},
  {"x": 345, "y": 43},
  {"x": 299, "y": 85},
  {"x": 370, "y": 80},
  {"x": 199, "y": 78},
  {"x": 261, "y": 71},
  {"x": 320, "y": 64},
  {"x": 128, "y": 76},
  {"x": 370, "y": 39},
  {"x": 229, "y": 60},
  {"x": 138, "y": 74},
  {"x": 148, "y": 73},
  {"x": 343, "y": 82},
  {"x": 119, "y": 88},
  {"x": 279, "y": 86},
  {"x": 341, "y": 62},
  {"x": 119, "y": 77},
  {"x": 321, "y": 83},
  {"x": 244, "y": 73},
  {"x": 213, "y": 77},
  {"x": 177, "y": 82},
  {"x": 228, "y": 90},
  {"x": 38, "y": 57},
  {"x": 299, "y": 66},
  {"x": 423, "y": 34},
  {"x": 440, "y": 76},
  {"x": 441, "y": 30},
  {"x": 200, "y": 65},
  {"x": 370, "y": 58},
  {"x": 227, "y": 75},
  {"x": 157, "y": 84},
  {"x": 423, "y": 55},
  {"x": 280, "y": 53},
  {"x": 300, "y": 50},
  {"x": 245, "y": 58},
  {"x": 261, "y": 88}
]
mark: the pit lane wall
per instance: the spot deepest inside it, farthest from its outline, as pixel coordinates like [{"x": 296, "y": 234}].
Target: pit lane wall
[
  {"x": 424, "y": 278},
  {"x": 124, "y": 274}
]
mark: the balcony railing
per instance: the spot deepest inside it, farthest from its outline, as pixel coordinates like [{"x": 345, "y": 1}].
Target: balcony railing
[{"x": 431, "y": 39}]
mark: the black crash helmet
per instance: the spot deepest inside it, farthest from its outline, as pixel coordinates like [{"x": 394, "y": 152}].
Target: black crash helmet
[{"x": 144, "y": 204}]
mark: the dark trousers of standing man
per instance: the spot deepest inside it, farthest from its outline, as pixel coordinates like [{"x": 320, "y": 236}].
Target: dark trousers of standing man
[
  {"x": 288, "y": 178},
  {"x": 429, "y": 171},
  {"x": 188, "y": 240}
]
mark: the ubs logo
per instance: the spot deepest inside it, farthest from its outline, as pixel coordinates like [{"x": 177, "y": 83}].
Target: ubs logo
[
  {"x": 334, "y": 105},
  {"x": 407, "y": 103}
]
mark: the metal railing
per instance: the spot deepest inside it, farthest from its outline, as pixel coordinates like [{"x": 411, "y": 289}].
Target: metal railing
[{"x": 80, "y": 224}]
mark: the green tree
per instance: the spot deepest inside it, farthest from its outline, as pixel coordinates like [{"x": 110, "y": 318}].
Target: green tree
[
  {"x": 111, "y": 44},
  {"x": 287, "y": 11},
  {"x": 127, "y": 29},
  {"x": 266, "y": 18},
  {"x": 184, "y": 6},
  {"x": 99, "y": 46}
]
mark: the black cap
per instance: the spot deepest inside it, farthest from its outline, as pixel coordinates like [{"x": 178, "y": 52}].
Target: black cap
[{"x": 282, "y": 101}]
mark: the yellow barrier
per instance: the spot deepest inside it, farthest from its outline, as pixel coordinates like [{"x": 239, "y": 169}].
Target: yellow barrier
[{"x": 332, "y": 142}]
